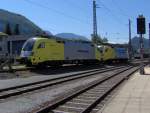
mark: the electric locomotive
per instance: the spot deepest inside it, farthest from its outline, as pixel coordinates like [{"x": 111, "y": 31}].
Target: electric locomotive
[
  {"x": 114, "y": 53},
  {"x": 39, "y": 50}
]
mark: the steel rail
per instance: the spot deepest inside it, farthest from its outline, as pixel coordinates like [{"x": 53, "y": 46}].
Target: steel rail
[
  {"x": 18, "y": 90},
  {"x": 106, "y": 84}
]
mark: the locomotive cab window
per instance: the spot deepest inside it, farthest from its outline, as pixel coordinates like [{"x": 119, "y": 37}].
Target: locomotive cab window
[
  {"x": 100, "y": 50},
  {"x": 41, "y": 45},
  {"x": 28, "y": 46}
]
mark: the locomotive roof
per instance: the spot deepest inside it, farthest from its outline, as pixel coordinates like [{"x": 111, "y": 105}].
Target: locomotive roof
[
  {"x": 63, "y": 39},
  {"x": 116, "y": 45}
]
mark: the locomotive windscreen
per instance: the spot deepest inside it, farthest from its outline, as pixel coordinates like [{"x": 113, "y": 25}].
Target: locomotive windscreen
[{"x": 28, "y": 45}]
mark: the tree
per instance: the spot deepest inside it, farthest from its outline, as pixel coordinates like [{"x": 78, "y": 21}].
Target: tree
[
  {"x": 104, "y": 40},
  {"x": 16, "y": 31},
  {"x": 98, "y": 40},
  {"x": 8, "y": 29}
]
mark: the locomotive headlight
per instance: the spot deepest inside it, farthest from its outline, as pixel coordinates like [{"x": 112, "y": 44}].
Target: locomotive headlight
[{"x": 26, "y": 53}]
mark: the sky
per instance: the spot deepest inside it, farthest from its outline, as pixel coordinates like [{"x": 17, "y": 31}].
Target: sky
[{"x": 75, "y": 16}]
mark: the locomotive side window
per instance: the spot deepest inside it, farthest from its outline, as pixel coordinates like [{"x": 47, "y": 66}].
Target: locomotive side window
[{"x": 41, "y": 45}]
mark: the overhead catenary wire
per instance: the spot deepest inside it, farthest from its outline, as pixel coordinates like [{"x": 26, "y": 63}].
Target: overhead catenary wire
[
  {"x": 76, "y": 5},
  {"x": 61, "y": 13},
  {"x": 115, "y": 17},
  {"x": 120, "y": 9},
  {"x": 56, "y": 11},
  {"x": 112, "y": 14},
  {"x": 79, "y": 9}
]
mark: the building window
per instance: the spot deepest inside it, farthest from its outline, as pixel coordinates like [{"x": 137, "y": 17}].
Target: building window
[
  {"x": 0, "y": 48},
  {"x": 1, "y": 39}
]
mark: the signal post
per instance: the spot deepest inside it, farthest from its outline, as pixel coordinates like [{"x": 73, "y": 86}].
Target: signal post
[
  {"x": 141, "y": 30},
  {"x": 149, "y": 43}
]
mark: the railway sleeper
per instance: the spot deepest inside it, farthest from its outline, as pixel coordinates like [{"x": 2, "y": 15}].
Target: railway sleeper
[{"x": 94, "y": 100}]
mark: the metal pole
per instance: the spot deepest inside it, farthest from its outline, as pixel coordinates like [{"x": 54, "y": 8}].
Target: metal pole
[
  {"x": 149, "y": 44},
  {"x": 94, "y": 20},
  {"x": 141, "y": 53},
  {"x": 130, "y": 45}
]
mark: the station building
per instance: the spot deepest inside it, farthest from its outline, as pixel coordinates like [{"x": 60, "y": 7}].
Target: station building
[
  {"x": 12, "y": 43},
  {"x": 26, "y": 27}
]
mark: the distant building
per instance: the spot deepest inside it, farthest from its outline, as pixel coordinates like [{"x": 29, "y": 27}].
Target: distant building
[
  {"x": 146, "y": 53},
  {"x": 20, "y": 29},
  {"x": 23, "y": 25},
  {"x": 11, "y": 45}
]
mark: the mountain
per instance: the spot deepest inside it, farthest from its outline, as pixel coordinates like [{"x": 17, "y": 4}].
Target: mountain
[
  {"x": 25, "y": 25},
  {"x": 72, "y": 36},
  {"x": 48, "y": 33},
  {"x": 136, "y": 43}
]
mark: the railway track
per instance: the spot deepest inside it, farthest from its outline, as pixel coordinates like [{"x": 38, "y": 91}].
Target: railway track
[
  {"x": 30, "y": 87},
  {"x": 84, "y": 98},
  {"x": 137, "y": 61},
  {"x": 15, "y": 69}
]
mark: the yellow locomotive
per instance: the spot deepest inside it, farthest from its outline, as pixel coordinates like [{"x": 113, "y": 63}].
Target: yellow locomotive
[
  {"x": 114, "y": 52},
  {"x": 48, "y": 51}
]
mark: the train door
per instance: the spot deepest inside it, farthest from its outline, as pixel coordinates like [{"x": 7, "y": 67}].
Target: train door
[{"x": 41, "y": 52}]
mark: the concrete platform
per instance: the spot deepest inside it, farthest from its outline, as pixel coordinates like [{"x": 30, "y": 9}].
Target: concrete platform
[{"x": 132, "y": 97}]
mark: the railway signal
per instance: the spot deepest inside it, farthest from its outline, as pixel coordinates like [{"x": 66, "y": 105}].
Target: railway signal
[
  {"x": 141, "y": 30},
  {"x": 141, "y": 25}
]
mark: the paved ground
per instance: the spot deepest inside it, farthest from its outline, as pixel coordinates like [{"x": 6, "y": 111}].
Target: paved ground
[{"x": 133, "y": 96}]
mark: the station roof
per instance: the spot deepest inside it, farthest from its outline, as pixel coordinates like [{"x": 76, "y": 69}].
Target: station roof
[{"x": 3, "y": 34}]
